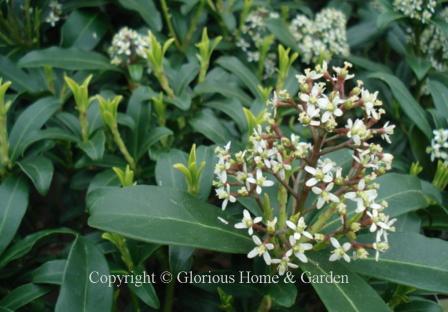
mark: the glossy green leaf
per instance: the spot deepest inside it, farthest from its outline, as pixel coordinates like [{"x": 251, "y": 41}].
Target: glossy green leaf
[
  {"x": 145, "y": 291},
  {"x": 83, "y": 30},
  {"x": 413, "y": 260},
  {"x": 419, "y": 65},
  {"x": 180, "y": 258},
  {"x": 419, "y": 305},
  {"x": 283, "y": 294},
  {"x": 236, "y": 67},
  {"x": 233, "y": 109},
  {"x": 280, "y": 29},
  {"x": 50, "y": 272},
  {"x": 407, "y": 102},
  {"x": 147, "y": 10},
  {"x": 13, "y": 204},
  {"x": 25, "y": 245},
  {"x": 439, "y": 93},
  {"x": 23, "y": 295},
  {"x": 40, "y": 171},
  {"x": 166, "y": 174},
  {"x": 207, "y": 154},
  {"x": 21, "y": 81},
  {"x": 71, "y": 59},
  {"x": 354, "y": 295},
  {"x": 164, "y": 215},
  {"x": 32, "y": 119},
  {"x": 206, "y": 123},
  {"x": 94, "y": 147},
  {"x": 78, "y": 292}
]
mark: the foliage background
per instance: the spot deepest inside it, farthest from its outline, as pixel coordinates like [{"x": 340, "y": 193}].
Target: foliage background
[{"x": 49, "y": 240}]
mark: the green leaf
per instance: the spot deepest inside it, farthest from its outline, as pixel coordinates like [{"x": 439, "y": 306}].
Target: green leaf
[
  {"x": 368, "y": 64},
  {"x": 407, "y": 102},
  {"x": 94, "y": 147},
  {"x": 413, "y": 260},
  {"x": 387, "y": 17},
  {"x": 23, "y": 295},
  {"x": 419, "y": 65},
  {"x": 164, "y": 215},
  {"x": 78, "y": 292},
  {"x": 83, "y": 30},
  {"x": 71, "y": 59},
  {"x": 40, "y": 171},
  {"x": 145, "y": 291},
  {"x": 419, "y": 305},
  {"x": 147, "y": 10},
  {"x": 23, "y": 246},
  {"x": 32, "y": 119},
  {"x": 439, "y": 93},
  {"x": 207, "y": 154},
  {"x": 154, "y": 136},
  {"x": 281, "y": 31},
  {"x": 166, "y": 174},
  {"x": 139, "y": 108},
  {"x": 283, "y": 294},
  {"x": 354, "y": 295},
  {"x": 51, "y": 272},
  {"x": 232, "y": 108},
  {"x": 103, "y": 179},
  {"x": 206, "y": 123},
  {"x": 13, "y": 204},
  {"x": 236, "y": 67},
  {"x": 21, "y": 81},
  {"x": 360, "y": 33},
  {"x": 180, "y": 258}
]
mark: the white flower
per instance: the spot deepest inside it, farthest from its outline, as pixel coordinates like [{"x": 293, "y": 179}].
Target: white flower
[
  {"x": 325, "y": 196},
  {"x": 226, "y": 195},
  {"x": 299, "y": 249},
  {"x": 270, "y": 225},
  {"x": 299, "y": 228},
  {"x": 310, "y": 75},
  {"x": 439, "y": 145},
  {"x": 339, "y": 251},
  {"x": 319, "y": 174},
  {"x": 260, "y": 181},
  {"x": 247, "y": 222},
  {"x": 331, "y": 107},
  {"x": 357, "y": 131},
  {"x": 313, "y": 97},
  {"x": 388, "y": 130},
  {"x": 284, "y": 264},
  {"x": 363, "y": 197},
  {"x": 380, "y": 247},
  {"x": 370, "y": 103},
  {"x": 261, "y": 249}
]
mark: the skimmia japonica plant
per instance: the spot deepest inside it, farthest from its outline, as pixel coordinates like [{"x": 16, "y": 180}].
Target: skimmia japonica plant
[
  {"x": 339, "y": 116},
  {"x": 223, "y": 155}
]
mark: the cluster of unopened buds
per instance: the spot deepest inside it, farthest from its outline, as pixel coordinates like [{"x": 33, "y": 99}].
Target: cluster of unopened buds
[
  {"x": 421, "y": 10},
  {"x": 128, "y": 47},
  {"x": 253, "y": 34},
  {"x": 319, "y": 202}
]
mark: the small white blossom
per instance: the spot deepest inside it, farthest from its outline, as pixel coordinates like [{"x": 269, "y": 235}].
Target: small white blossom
[
  {"x": 299, "y": 249},
  {"x": 224, "y": 193},
  {"x": 260, "y": 181},
  {"x": 261, "y": 249},
  {"x": 284, "y": 263},
  {"x": 325, "y": 195},
  {"x": 247, "y": 222},
  {"x": 339, "y": 251},
  {"x": 299, "y": 228}
]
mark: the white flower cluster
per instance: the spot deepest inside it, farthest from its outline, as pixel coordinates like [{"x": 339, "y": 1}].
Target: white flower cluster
[
  {"x": 321, "y": 38},
  {"x": 55, "y": 13},
  {"x": 128, "y": 47},
  {"x": 254, "y": 32},
  {"x": 421, "y": 10},
  {"x": 305, "y": 172},
  {"x": 434, "y": 43},
  {"x": 439, "y": 145}
]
